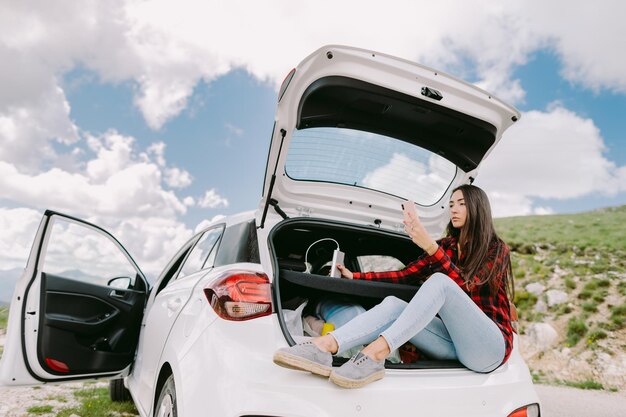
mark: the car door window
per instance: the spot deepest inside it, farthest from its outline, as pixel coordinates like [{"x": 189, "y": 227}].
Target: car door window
[
  {"x": 203, "y": 254},
  {"x": 84, "y": 254}
]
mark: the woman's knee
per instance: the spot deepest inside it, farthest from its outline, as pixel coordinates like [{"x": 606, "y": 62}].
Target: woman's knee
[
  {"x": 393, "y": 303},
  {"x": 440, "y": 278},
  {"x": 439, "y": 282}
]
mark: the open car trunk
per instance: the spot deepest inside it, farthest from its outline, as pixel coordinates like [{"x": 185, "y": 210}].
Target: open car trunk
[{"x": 365, "y": 248}]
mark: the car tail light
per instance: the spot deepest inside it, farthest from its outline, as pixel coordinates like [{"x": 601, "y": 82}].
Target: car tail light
[
  {"x": 531, "y": 410},
  {"x": 240, "y": 295}
]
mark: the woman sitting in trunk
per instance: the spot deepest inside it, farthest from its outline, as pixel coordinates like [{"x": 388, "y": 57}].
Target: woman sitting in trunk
[{"x": 466, "y": 282}]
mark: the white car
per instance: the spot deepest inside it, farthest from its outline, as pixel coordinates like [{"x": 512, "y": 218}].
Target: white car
[{"x": 356, "y": 133}]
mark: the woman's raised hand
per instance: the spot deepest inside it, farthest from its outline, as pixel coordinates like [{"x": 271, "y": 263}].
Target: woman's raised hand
[
  {"x": 345, "y": 272},
  {"x": 414, "y": 227}
]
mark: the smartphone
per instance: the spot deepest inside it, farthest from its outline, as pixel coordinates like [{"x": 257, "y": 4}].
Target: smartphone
[
  {"x": 408, "y": 207},
  {"x": 337, "y": 259}
]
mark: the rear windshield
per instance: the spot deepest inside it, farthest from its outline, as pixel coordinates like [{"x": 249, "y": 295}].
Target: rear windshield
[{"x": 368, "y": 160}]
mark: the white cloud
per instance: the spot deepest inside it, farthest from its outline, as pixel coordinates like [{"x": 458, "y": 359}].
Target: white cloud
[
  {"x": 114, "y": 153},
  {"x": 178, "y": 178},
  {"x": 18, "y": 226},
  {"x": 151, "y": 241},
  {"x": 543, "y": 211},
  {"x": 166, "y": 48},
  {"x": 205, "y": 223},
  {"x": 550, "y": 155},
  {"x": 117, "y": 182},
  {"x": 157, "y": 151},
  {"x": 414, "y": 180},
  {"x": 212, "y": 200},
  {"x": 591, "y": 61},
  {"x": 24, "y": 129},
  {"x": 237, "y": 131}
]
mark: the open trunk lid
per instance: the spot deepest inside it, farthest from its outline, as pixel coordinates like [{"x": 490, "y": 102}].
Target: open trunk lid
[{"x": 358, "y": 131}]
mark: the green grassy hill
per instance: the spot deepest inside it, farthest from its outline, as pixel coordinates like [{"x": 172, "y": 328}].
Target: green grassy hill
[
  {"x": 584, "y": 256},
  {"x": 599, "y": 230}
]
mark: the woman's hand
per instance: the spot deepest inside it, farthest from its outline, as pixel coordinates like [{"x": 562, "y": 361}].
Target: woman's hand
[
  {"x": 416, "y": 230},
  {"x": 345, "y": 272}
]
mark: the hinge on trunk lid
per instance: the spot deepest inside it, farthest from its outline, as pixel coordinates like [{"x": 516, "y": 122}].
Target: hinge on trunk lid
[
  {"x": 269, "y": 200},
  {"x": 280, "y": 211}
]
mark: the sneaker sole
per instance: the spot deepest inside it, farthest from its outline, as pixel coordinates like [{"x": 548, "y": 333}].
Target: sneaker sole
[
  {"x": 355, "y": 383},
  {"x": 295, "y": 362}
]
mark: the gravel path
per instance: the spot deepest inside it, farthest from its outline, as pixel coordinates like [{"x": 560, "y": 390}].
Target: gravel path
[{"x": 15, "y": 401}]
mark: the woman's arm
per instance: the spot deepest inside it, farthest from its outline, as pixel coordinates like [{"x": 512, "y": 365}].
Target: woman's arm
[{"x": 415, "y": 272}]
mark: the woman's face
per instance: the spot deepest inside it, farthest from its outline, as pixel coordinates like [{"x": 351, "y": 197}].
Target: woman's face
[{"x": 458, "y": 210}]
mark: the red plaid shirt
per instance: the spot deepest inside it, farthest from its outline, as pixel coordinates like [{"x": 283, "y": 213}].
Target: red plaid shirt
[{"x": 496, "y": 308}]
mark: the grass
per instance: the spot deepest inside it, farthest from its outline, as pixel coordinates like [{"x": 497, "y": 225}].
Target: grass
[
  {"x": 4, "y": 316},
  {"x": 590, "y": 307},
  {"x": 570, "y": 283},
  {"x": 95, "y": 402},
  {"x": 618, "y": 316},
  {"x": 599, "y": 230},
  {"x": 57, "y": 398},
  {"x": 576, "y": 330},
  {"x": 39, "y": 409},
  {"x": 596, "y": 335},
  {"x": 587, "y": 384}
]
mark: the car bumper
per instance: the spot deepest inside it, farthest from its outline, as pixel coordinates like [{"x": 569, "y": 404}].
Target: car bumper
[{"x": 229, "y": 372}]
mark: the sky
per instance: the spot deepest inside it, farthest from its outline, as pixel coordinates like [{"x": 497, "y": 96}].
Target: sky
[{"x": 151, "y": 117}]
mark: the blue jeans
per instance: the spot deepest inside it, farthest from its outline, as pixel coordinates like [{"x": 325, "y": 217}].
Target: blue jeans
[{"x": 464, "y": 332}]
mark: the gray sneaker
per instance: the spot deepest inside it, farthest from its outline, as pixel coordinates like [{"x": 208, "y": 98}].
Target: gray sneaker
[
  {"x": 359, "y": 371},
  {"x": 305, "y": 357}
]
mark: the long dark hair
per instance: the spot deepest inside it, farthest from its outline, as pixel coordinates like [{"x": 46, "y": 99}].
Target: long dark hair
[{"x": 476, "y": 238}]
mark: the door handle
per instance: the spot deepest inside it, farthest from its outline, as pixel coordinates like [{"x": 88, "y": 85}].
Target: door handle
[{"x": 117, "y": 294}]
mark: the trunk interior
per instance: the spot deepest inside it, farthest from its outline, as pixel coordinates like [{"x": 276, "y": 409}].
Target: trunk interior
[{"x": 365, "y": 248}]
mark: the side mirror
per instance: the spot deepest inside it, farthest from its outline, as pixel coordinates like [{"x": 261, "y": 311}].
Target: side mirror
[{"x": 123, "y": 283}]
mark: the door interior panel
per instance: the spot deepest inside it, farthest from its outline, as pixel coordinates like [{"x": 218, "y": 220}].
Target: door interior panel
[{"x": 88, "y": 327}]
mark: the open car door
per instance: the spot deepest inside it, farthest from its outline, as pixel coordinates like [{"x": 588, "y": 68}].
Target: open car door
[{"x": 76, "y": 311}]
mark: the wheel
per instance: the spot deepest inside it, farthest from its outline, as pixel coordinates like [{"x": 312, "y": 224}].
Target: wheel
[
  {"x": 167, "y": 406},
  {"x": 118, "y": 392}
]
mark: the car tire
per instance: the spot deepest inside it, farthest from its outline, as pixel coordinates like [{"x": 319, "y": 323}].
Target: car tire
[
  {"x": 167, "y": 405},
  {"x": 118, "y": 392}
]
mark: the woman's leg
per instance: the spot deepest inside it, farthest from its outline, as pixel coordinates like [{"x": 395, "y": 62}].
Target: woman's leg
[
  {"x": 433, "y": 340},
  {"x": 478, "y": 342},
  {"x": 366, "y": 327}
]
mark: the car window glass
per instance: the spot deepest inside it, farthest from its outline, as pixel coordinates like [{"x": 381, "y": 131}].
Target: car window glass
[
  {"x": 368, "y": 160},
  {"x": 169, "y": 275},
  {"x": 85, "y": 254},
  {"x": 200, "y": 253},
  {"x": 379, "y": 263},
  {"x": 210, "y": 260}
]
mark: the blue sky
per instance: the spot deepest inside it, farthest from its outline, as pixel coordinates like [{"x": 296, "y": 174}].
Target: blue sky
[
  {"x": 221, "y": 138},
  {"x": 151, "y": 117}
]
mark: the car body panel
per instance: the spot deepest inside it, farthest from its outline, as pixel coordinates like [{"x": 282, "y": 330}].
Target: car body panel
[{"x": 263, "y": 388}]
